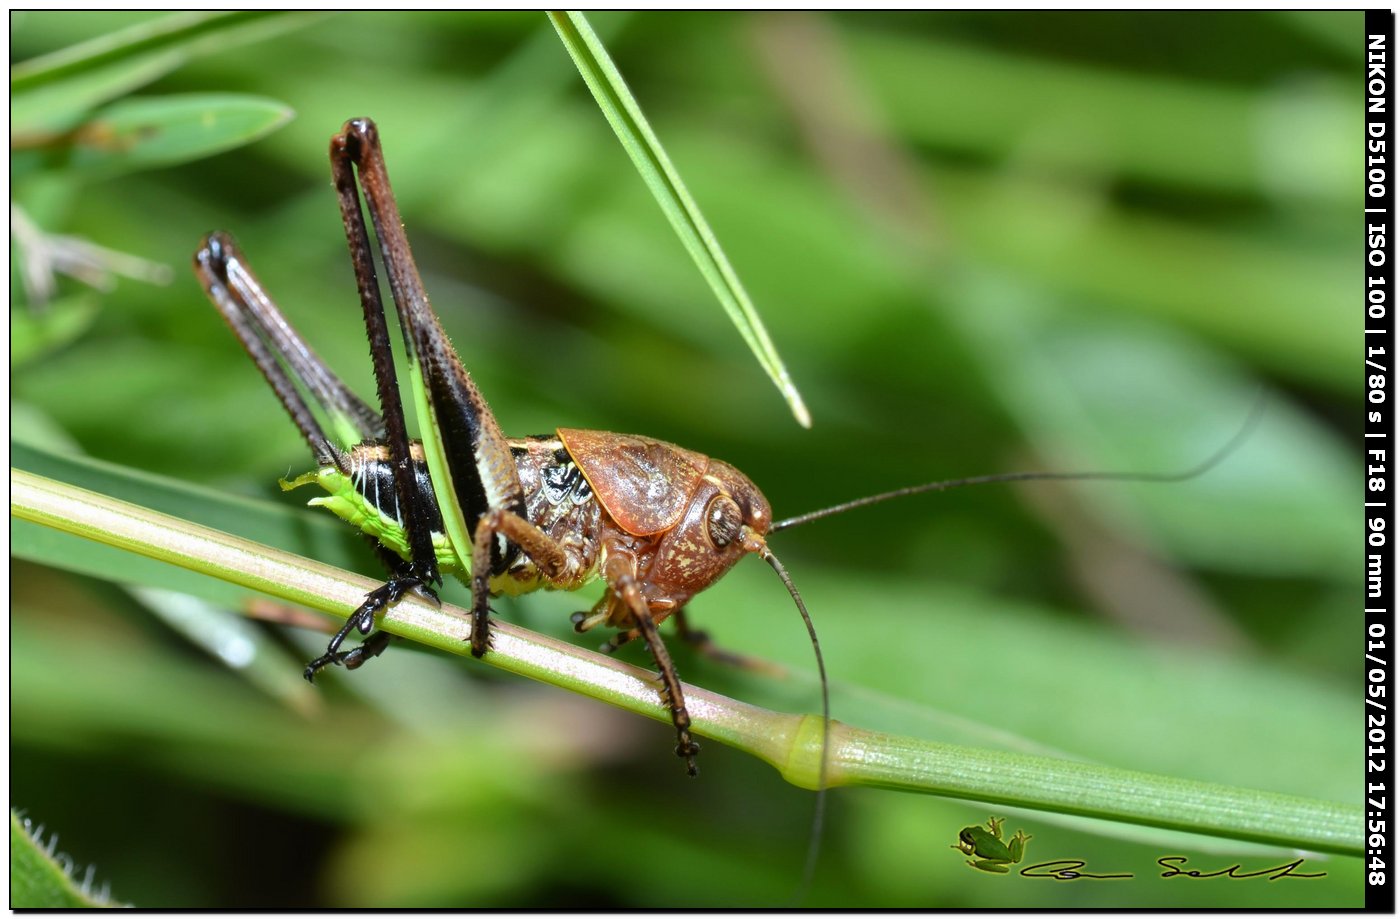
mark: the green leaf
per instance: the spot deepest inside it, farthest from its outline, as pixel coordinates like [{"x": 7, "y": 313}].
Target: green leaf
[
  {"x": 51, "y": 93},
  {"x": 37, "y": 880},
  {"x": 625, "y": 115},
  {"x": 166, "y": 130}
]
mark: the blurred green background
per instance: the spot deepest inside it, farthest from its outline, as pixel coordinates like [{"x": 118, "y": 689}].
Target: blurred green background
[{"x": 983, "y": 242}]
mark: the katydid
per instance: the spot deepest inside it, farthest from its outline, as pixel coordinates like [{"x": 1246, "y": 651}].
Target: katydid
[{"x": 659, "y": 523}]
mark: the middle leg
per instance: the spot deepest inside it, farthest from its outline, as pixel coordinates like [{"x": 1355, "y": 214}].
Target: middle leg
[{"x": 539, "y": 546}]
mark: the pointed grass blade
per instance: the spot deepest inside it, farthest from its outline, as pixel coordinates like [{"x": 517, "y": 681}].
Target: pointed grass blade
[
  {"x": 640, "y": 142},
  {"x": 51, "y": 93}
]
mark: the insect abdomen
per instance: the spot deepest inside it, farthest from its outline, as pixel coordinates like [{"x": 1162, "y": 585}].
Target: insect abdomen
[
  {"x": 558, "y": 500},
  {"x": 363, "y": 495}
]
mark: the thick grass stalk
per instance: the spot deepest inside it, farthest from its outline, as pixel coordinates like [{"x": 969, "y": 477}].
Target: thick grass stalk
[{"x": 791, "y": 743}]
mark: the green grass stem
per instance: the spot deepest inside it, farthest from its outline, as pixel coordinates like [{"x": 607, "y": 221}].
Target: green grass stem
[{"x": 791, "y": 743}]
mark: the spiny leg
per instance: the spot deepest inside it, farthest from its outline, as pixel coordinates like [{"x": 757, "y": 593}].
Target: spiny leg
[
  {"x": 547, "y": 555},
  {"x": 420, "y": 574},
  {"x": 272, "y": 342},
  {"x": 686, "y": 748},
  {"x": 278, "y": 351},
  {"x": 373, "y": 646},
  {"x": 423, "y": 570},
  {"x": 479, "y": 456},
  {"x": 473, "y": 471},
  {"x": 620, "y": 572},
  {"x": 362, "y": 620}
]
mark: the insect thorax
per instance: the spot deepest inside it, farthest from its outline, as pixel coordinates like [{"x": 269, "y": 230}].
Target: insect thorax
[{"x": 558, "y": 500}]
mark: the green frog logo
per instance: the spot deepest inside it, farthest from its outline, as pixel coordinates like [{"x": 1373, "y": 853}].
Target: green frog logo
[{"x": 988, "y": 852}]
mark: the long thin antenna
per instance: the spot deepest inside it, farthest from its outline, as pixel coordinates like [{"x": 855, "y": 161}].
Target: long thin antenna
[
  {"x": 1245, "y": 429},
  {"x": 814, "y": 845}
]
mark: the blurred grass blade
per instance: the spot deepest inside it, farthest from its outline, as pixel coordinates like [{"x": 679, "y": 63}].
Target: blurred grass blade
[
  {"x": 51, "y": 93},
  {"x": 235, "y": 641},
  {"x": 39, "y": 116},
  {"x": 625, "y": 116},
  {"x": 38, "y": 876},
  {"x": 187, "y": 33},
  {"x": 166, "y": 130}
]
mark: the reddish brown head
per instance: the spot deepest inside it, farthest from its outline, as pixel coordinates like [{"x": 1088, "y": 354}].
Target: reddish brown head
[
  {"x": 727, "y": 518},
  {"x": 699, "y": 515}
]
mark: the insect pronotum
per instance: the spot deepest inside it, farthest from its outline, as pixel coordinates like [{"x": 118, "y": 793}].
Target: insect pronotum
[{"x": 659, "y": 523}]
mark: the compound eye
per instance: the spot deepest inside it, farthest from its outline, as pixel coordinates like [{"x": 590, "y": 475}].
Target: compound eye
[{"x": 723, "y": 521}]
